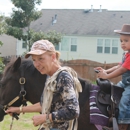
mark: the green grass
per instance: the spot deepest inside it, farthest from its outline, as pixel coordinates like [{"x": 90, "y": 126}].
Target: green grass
[
  {"x": 94, "y": 82},
  {"x": 24, "y": 122}
]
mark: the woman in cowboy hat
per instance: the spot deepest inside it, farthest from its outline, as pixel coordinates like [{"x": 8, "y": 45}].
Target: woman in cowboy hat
[{"x": 122, "y": 69}]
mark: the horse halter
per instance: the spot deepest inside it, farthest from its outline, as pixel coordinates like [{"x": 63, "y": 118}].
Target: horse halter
[{"x": 22, "y": 94}]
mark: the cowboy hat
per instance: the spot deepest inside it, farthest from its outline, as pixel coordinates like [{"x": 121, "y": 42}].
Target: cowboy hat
[{"x": 125, "y": 29}]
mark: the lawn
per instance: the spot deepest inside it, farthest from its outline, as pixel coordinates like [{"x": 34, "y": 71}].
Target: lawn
[{"x": 24, "y": 122}]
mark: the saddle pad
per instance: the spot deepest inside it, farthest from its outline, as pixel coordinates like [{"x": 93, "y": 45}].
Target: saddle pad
[{"x": 96, "y": 116}]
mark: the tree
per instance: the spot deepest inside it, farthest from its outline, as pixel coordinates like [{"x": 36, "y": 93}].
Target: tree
[
  {"x": 23, "y": 14},
  {"x": 19, "y": 23},
  {"x": 2, "y": 30},
  {"x": 2, "y": 26},
  {"x": 52, "y": 36},
  {"x": 2, "y": 65}
]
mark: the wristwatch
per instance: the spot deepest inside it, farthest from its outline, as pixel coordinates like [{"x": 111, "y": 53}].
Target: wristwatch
[{"x": 47, "y": 119}]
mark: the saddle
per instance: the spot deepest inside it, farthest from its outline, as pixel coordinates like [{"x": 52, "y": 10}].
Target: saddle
[{"x": 108, "y": 99}]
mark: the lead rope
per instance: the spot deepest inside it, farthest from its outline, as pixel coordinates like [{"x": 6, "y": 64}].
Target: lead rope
[{"x": 11, "y": 124}]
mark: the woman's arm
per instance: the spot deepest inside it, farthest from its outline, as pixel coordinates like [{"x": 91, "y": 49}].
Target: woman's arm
[
  {"x": 70, "y": 105},
  {"x": 31, "y": 108}
]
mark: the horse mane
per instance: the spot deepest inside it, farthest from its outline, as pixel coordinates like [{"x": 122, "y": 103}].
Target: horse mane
[
  {"x": 9, "y": 65},
  {"x": 25, "y": 63}
]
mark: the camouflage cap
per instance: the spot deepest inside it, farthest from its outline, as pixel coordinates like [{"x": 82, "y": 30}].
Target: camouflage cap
[{"x": 40, "y": 47}]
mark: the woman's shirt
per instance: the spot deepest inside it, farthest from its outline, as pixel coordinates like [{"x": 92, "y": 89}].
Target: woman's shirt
[{"x": 65, "y": 105}]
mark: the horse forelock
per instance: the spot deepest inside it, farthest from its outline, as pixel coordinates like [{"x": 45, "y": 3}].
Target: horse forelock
[
  {"x": 25, "y": 64},
  {"x": 8, "y": 68}
]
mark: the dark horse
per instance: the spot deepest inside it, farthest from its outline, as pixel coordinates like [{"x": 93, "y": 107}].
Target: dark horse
[
  {"x": 21, "y": 79},
  {"x": 34, "y": 84}
]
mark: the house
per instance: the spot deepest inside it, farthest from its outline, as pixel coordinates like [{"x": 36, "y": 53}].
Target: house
[
  {"x": 87, "y": 33},
  {"x": 9, "y": 45}
]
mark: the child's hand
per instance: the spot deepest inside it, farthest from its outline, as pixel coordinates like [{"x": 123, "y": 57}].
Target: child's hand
[
  {"x": 98, "y": 69},
  {"x": 102, "y": 74}
]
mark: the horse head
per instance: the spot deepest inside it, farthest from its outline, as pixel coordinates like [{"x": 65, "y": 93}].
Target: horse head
[{"x": 19, "y": 81}]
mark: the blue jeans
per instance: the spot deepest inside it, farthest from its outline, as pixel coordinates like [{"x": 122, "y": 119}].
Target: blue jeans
[{"x": 124, "y": 105}]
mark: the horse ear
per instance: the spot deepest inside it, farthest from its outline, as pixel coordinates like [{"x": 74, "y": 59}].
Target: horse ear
[{"x": 17, "y": 64}]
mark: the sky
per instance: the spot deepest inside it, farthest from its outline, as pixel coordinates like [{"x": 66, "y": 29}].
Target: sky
[{"x": 6, "y": 5}]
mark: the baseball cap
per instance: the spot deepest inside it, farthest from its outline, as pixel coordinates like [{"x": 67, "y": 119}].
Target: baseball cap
[{"x": 40, "y": 47}]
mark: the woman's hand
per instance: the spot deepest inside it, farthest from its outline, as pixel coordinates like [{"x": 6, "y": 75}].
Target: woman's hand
[
  {"x": 39, "y": 119},
  {"x": 11, "y": 110}
]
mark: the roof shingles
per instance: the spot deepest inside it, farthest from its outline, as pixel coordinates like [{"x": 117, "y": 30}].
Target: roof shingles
[{"x": 78, "y": 22}]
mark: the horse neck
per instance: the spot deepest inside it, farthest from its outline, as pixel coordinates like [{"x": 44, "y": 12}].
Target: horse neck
[{"x": 34, "y": 87}]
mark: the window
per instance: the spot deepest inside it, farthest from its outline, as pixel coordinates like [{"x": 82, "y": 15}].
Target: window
[
  {"x": 65, "y": 44},
  {"x": 107, "y": 46},
  {"x": 57, "y": 46},
  {"x": 73, "y": 44},
  {"x": 99, "y": 45},
  {"x": 24, "y": 44},
  {"x": 114, "y": 46}
]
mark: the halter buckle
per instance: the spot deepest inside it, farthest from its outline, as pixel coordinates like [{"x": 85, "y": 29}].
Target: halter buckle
[
  {"x": 23, "y": 93},
  {"x": 22, "y": 80}
]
